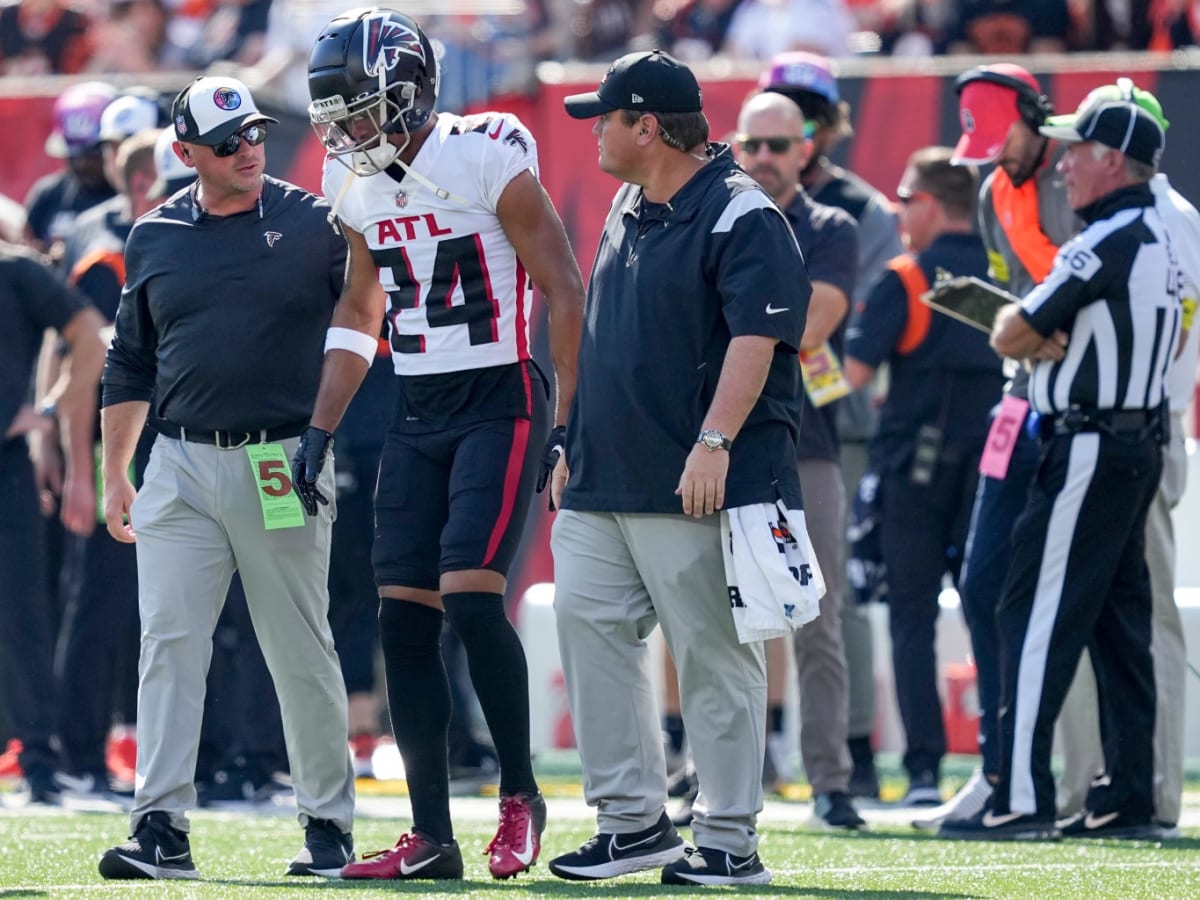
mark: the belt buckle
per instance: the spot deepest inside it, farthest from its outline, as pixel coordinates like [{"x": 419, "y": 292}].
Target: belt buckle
[{"x": 246, "y": 438}]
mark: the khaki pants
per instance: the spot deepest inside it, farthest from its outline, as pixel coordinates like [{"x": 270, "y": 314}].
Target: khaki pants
[
  {"x": 616, "y": 576},
  {"x": 820, "y": 653},
  {"x": 197, "y": 520}
]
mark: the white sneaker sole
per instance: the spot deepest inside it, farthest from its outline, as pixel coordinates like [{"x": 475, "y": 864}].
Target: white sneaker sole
[
  {"x": 763, "y": 877},
  {"x": 616, "y": 867}
]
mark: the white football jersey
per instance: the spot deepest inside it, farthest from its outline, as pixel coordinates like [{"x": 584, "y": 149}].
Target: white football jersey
[{"x": 458, "y": 297}]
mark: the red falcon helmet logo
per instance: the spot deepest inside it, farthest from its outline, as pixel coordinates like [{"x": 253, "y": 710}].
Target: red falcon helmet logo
[{"x": 384, "y": 41}]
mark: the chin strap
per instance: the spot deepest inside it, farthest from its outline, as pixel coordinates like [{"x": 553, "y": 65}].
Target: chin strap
[{"x": 440, "y": 192}]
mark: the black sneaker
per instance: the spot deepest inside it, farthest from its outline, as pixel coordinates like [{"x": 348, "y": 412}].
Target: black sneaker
[
  {"x": 922, "y": 790},
  {"x": 682, "y": 817},
  {"x": 864, "y": 780},
  {"x": 835, "y": 810},
  {"x": 156, "y": 850},
  {"x": 326, "y": 849},
  {"x": 606, "y": 855},
  {"x": 1088, "y": 824},
  {"x": 43, "y": 789},
  {"x": 987, "y": 825},
  {"x": 703, "y": 865}
]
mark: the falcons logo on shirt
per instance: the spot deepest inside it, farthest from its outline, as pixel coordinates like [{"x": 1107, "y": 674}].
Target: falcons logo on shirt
[
  {"x": 517, "y": 139},
  {"x": 385, "y": 41}
]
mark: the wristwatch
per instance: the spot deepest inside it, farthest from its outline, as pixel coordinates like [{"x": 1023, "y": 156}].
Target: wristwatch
[{"x": 712, "y": 439}]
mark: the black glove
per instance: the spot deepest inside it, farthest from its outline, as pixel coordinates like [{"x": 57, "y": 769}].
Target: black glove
[
  {"x": 315, "y": 445},
  {"x": 550, "y": 456}
]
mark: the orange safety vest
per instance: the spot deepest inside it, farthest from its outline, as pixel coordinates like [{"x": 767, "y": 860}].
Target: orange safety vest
[
  {"x": 1017, "y": 212},
  {"x": 920, "y": 316}
]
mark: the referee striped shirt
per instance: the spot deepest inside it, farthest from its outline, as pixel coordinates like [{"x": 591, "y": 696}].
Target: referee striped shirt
[{"x": 1115, "y": 290}]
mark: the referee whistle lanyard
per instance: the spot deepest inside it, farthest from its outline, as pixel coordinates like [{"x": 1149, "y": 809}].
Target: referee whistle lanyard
[{"x": 1017, "y": 211}]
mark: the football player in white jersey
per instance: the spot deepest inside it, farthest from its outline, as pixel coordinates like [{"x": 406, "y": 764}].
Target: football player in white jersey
[{"x": 447, "y": 226}]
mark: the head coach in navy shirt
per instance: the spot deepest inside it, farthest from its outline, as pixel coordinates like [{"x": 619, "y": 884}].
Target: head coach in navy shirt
[{"x": 687, "y": 403}]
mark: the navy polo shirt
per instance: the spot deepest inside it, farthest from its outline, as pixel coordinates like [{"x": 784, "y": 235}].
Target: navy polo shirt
[
  {"x": 951, "y": 379},
  {"x": 673, "y": 283},
  {"x": 828, "y": 237}
]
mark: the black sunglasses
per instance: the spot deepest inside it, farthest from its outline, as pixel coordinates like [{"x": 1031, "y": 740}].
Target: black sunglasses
[
  {"x": 751, "y": 145},
  {"x": 251, "y": 134}
]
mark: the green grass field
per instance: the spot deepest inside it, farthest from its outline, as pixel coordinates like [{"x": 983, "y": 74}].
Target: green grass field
[{"x": 54, "y": 853}]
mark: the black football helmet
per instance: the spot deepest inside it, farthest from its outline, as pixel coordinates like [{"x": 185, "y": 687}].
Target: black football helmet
[{"x": 372, "y": 73}]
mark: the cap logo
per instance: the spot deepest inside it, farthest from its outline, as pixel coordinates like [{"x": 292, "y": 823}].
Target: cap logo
[
  {"x": 384, "y": 43},
  {"x": 227, "y": 98},
  {"x": 180, "y": 124},
  {"x": 78, "y": 126},
  {"x": 968, "y": 121},
  {"x": 801, "y": 75},
  {"x": 636, "y": 98}
]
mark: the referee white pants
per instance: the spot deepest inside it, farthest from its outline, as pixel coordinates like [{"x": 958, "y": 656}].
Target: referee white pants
[
  {"x": 616, "y": 576},
  {"x": 1079, "y": 721},
  {"x": 197, "y": 519}
]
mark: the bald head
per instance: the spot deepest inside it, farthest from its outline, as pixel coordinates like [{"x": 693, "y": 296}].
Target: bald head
[
  {"x": 774, "y": 107},
  {"x": 771, "y": 144}
]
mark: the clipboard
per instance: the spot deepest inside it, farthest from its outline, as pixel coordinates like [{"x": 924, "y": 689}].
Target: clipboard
[{"x": 970, "y": 300}]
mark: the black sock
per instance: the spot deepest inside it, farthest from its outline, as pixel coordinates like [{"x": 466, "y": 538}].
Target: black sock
[
  {"x": 419, "y": 704},
  {"x": 774, "y": 720},
  {"x": 496, "y": 661},
  {"x": 673, "y": 726}
]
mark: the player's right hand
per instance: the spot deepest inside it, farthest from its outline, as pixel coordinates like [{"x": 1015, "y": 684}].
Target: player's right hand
[
  {"x": 552, "y": 453},
  {"x": 314, "y": 446}
]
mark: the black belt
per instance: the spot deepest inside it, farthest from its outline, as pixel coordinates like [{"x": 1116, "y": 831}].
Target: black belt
[
  {"x": 1124, "y": 423},
  {"x": 228, "y": 440}
]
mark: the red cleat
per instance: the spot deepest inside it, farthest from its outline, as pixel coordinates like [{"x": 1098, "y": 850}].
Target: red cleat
[
  {"x": 518, "y": 840},
  {"x": 414, "y": 856},
  {"x": 120, "y": 755},
  {"x": 10, "y": 760}
]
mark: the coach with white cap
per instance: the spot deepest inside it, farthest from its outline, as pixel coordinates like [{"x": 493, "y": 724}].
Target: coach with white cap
[{"x": 228, "y": 293}]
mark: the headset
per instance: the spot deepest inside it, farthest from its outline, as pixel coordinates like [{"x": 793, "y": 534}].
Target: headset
[{"x": 1034, "y": 108}]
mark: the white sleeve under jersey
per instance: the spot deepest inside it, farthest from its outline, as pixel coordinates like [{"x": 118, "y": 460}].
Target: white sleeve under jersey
[{"x": 458, "y": 297}]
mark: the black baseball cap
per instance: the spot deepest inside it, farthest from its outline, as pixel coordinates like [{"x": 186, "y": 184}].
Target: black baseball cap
[
  {"x": 650, "y": 81},
  {"x": 212, "y": 108},
  {"x": 1120, "y": 116}
]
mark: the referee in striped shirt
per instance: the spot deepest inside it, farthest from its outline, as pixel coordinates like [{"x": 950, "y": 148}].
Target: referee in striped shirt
[{"x": 1099, "y": 332}]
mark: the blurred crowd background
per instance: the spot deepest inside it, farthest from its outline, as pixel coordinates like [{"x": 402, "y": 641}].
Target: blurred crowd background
[{"x": 494, "y": 46}]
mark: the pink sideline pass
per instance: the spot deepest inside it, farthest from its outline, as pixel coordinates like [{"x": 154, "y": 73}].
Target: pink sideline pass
[{"x": 1002, "y": 437}]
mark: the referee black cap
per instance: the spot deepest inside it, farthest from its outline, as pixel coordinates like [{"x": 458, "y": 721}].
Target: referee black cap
[
  {"x": 650, "y": 81},
  {"x": 1120, "y": 116}
]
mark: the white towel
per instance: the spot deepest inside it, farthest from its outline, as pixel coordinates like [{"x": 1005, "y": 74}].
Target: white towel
[{"x": 774, "y": 582}]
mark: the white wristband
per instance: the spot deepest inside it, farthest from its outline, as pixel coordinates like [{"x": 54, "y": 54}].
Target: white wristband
[{"x": 354, "y": 341}]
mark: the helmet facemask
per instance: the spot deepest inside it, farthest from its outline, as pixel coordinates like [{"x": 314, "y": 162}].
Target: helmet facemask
[{"x": 372, "y": 73}]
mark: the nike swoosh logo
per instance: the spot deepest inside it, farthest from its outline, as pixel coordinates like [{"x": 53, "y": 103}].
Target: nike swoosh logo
[
  {"x": 773, "y": 310},
  {"x": 162, "y": 857},
  {"x": 1092, "y": 820},
  {"x": 527, "y": 857},
  {"x": 991, "y": 820},
  {"x": 617, "y": 848},
  {"x": 742, "y": 865},
  {"x": 406, "y": 869},
  {"x": 495, "y": 134}
]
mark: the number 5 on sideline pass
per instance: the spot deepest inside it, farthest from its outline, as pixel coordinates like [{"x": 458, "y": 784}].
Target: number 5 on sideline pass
[
  {"x": 280, "y": 505},
  {"x": 1002, "y": 437}
]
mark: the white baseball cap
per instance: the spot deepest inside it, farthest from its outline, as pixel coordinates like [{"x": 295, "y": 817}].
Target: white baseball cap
[
  {"x": 126, "y": 116},
  {"x": 212, "y": 108}
]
